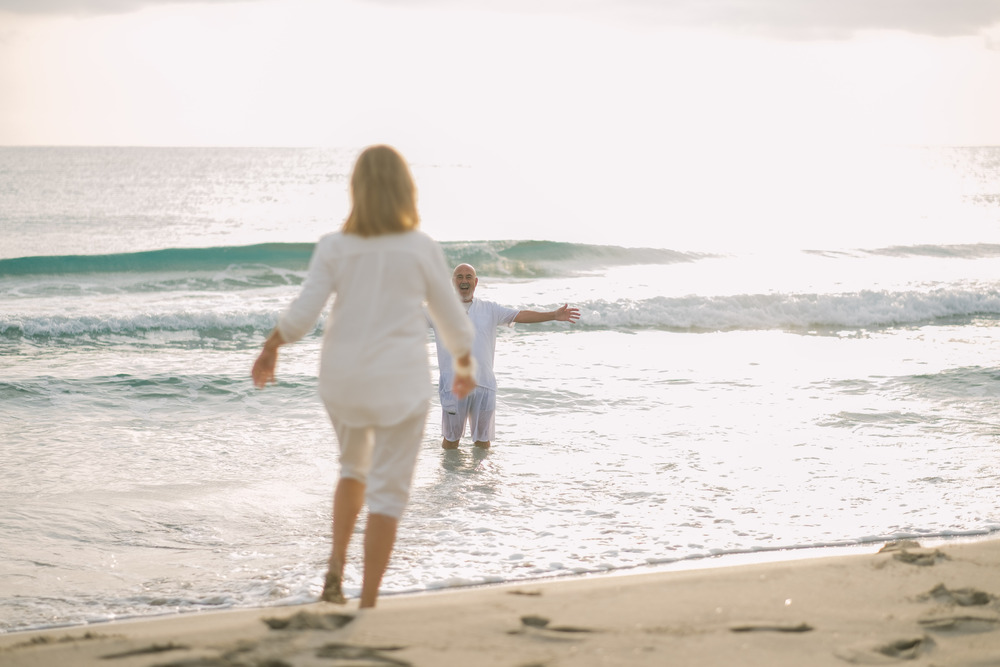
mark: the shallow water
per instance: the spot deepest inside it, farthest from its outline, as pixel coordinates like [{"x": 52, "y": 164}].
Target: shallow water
[{"x": 706, "y": 402}]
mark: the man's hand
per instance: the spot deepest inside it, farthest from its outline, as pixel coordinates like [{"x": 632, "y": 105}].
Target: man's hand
[
  {"x": 567, "y": 314},
  {"x": 564, "y": 314}
]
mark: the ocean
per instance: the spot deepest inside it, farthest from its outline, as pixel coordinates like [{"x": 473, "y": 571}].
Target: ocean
[{"x": 754, "y": 370}]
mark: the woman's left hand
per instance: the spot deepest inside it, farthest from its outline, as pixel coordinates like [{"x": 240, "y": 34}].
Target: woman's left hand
[{"x": 462, "y": 386}]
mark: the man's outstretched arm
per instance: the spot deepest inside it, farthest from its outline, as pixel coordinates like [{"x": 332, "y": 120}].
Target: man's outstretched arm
[{"x": 564, "y": 314}]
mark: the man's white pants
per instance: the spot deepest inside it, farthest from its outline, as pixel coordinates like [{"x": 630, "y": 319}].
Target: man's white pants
[{"x": 478, "y": 409}]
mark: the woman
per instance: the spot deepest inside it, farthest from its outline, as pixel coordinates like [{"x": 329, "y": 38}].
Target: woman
[{"x": 374, "y": 375}]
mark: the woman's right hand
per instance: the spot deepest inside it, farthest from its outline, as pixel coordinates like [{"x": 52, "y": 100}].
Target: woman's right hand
[{"x": 263, "y": 368}]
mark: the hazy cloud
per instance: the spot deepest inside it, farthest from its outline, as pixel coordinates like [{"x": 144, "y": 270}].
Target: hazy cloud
[
  {"x": 838, "y": 18},
  {"x": 91, "y": 6},
  {"x": 795, "y": 19},
  {"x": 798, "y": 19}
]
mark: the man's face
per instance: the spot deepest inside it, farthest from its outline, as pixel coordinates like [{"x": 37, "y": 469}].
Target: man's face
[{"x": 465, "y": 281}]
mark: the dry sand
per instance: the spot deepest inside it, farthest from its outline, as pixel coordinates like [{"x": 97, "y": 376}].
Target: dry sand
[{"x": 931, "y": 605}]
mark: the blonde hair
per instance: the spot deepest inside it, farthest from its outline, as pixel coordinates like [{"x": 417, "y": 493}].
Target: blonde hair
[{"x": 383, "y": 196}]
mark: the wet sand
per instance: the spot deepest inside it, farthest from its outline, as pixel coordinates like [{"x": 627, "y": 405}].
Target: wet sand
[{"x": 934, "y": 604}]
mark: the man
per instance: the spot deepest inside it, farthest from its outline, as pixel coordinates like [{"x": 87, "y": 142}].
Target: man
[{"x": 478, "y": 409}]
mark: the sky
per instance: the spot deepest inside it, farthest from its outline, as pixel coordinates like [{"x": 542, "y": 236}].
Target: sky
[{"x": 499, "y": 73}]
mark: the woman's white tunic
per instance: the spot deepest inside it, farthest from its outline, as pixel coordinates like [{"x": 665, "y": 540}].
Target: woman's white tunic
[{"x": 373, "y": 366}]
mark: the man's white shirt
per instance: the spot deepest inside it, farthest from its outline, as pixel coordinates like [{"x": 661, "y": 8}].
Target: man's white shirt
[{"x": 486, "y": 316}]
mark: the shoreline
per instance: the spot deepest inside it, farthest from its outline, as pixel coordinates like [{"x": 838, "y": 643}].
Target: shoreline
[
  {"x": 936, "y": 602},
  {"x": 682, "y": 563}
]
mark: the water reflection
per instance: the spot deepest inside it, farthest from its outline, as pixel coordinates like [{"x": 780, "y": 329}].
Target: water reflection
[{"x": 459, "y": 460}]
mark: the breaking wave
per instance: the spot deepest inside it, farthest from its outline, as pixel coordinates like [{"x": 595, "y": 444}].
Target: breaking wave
[{"x": 791, "y": 312}]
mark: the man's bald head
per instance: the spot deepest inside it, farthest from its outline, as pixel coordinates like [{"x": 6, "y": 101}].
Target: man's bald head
[{"x": 464, "y": 279}]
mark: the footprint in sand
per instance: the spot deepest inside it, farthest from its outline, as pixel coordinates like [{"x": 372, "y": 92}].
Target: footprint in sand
[
  {"x": 899, "y": 545},
  {"x": 308, "y": 621},
  {"x": 963, "y": 597},
  {"x": 906, "y": 649},
  {"x": 539, "y": 626},
  {"x": 772, "y": 627},
  {"x": 900, "y": 550},
  {"x": 909, "y": 648},
  {"x": 146, "y": 650},
  {"x": 542, "y": 622},
  {"x": 924, "y": 558},
  {"x": 369, "y": 654},
  {"x": 961, "y": 625}
]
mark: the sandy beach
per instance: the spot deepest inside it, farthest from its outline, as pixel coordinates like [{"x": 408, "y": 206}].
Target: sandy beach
[{"x": 933, "y": 604}]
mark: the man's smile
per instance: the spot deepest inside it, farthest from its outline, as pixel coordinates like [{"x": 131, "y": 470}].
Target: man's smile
[{"x": 464, "y": 279}]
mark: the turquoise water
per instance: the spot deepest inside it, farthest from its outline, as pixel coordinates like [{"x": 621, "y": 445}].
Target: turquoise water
[{"x": 711, "y": 399}]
